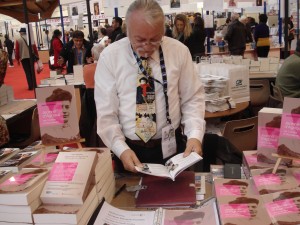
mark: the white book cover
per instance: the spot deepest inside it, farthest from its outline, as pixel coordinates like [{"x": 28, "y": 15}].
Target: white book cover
[
  {"x": 57, "y": 115},
  {"x": 69, "y": 214},
  {"x": 16, "y": 217},
  {"x": 69, "y": 178},
  {"x": 23, "y": 190},
  {"x": 289, "y": 137}
]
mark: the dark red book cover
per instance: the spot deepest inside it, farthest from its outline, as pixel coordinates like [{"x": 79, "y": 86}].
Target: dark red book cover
[{"x": 163, "y": 192}]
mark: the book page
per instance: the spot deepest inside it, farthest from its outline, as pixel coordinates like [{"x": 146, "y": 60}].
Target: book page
[
  {"x": 110, "y": 215},
  {"x": 154, "y": 169},
  {"x": 178, "y": 163}
]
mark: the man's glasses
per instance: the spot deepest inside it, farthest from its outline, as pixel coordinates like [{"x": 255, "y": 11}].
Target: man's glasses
[{"x": 150, "y": 43}]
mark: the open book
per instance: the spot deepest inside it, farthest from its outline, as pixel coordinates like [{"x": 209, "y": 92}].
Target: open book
[
  {"x": 113, "y": 216},
  {"x": 172, "y": 167}
]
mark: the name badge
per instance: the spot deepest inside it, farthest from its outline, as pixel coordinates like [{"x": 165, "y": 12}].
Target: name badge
[{"x": 169, "y": 146}]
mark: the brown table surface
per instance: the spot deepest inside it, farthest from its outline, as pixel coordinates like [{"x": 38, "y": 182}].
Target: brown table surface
[
  {"x": 126, "y": 200},
  {"x": 239, "y": 107}
]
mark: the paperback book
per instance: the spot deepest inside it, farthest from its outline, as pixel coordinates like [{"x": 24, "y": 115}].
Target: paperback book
[
  {"x": 66, "y": 214},
  {"x": 289, "y": 137},
  {"x": 69, "y": 178},
  {"x": 4, "y": 174},
  {"x": 58, "y": 115},
  {"x": 5, "y": 153},
  {"x": 233, "y": 187},
  {"x": 243, "y": 210},
  {"x": 43, "y": 160},
  {"x": 269, "y": 120},
  {"x": 172, "y": 167},
  {"x": 23, "y": 188},
  {"x": 283, "y": 207},
  {"x": 18, "y": 161},
  {"x": 267, "y": 182},
  {"x": 114, "y": 216}
]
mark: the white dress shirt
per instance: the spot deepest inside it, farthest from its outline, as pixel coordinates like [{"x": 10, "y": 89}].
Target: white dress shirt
[{"x": 115, "y": 93}]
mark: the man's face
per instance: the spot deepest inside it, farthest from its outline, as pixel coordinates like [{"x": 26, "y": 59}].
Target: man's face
[
  {"x": 115, "y": 24},
  {"x": 78, "y": 42},
  {"x": 144, "y": 38},
  {"x": 252, "y": 209}
]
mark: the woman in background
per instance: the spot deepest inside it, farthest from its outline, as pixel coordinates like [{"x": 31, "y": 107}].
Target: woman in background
[
  {"x": 55, "y": 47},
  {"x": 182, "y": 29},
  {"x": 261, "y": 37}
]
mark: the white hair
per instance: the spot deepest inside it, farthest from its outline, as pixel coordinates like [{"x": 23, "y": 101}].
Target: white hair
[{"x": 96, "y": 51}]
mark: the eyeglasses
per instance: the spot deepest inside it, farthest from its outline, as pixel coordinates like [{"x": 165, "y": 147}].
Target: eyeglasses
[{"x": 150, "y": 43}]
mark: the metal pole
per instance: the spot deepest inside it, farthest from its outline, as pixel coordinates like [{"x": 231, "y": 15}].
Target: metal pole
[
  {"x": 208, "y": 37},
  {"x": 279, "y": 23},
  {"x": 90, "y": 21},
  {"x": 116, "y": 12},
  {"x": 37, "y": 36},
  {"x": 32, "y": 73},
  {"x": 286, "y": 22},
  {"x": 265, "y": 7},
  {"x": 62, "y": 23},
  {"x": 297, "y": 20}
]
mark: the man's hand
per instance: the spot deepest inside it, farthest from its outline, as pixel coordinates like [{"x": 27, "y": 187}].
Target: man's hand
[
  {"x": 193, "y": 145},
  {"x": 130, "y": 160}
]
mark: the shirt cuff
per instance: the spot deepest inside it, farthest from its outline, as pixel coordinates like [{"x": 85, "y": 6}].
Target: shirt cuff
[
  {"x": 198, "y": 134},
  {"x": 119, "y": 147}
]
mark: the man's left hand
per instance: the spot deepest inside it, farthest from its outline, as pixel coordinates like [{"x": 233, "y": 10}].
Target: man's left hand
[{"x": 193, "y": 145}]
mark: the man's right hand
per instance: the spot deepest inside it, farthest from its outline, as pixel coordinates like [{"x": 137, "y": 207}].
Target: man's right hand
[{"x": 129, "y": 160}]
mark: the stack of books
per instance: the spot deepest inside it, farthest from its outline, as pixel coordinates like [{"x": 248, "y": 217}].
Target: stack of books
[
  {"x": 20, "y": 196},
  {"x": 76, "y": 181}
]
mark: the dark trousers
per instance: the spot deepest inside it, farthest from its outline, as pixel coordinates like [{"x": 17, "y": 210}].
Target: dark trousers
[
  {"x": 237, "y": 52},
  {"x": 27, "y": 70},
  {"x": 10, "y": 58},
  {"x": 151, "y": 154},
  {"x": 263, "y": 51}
]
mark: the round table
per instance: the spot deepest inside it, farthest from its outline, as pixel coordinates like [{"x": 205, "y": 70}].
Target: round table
[{"x": 239, "y": 107}]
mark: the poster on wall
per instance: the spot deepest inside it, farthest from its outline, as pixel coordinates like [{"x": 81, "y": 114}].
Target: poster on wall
[
  {"x": 240, "y": 3},
  {"x": 215, "y": 5},
  {"x": 96, "y": 9},
  {"x": 76, "y": 9},
  {"x": 174, "y": 4}
]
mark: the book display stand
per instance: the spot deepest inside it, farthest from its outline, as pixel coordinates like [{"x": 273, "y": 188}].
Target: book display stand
[{"x": 279, "y": 158}]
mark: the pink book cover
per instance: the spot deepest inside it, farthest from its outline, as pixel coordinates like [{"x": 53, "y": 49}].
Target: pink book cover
[
  {"x": 242, "y": 210},
  {"x": 233, "y": 187},
  {"x": 269, "y": 120},
  {"x": 43, "y": 160},
  {"x": 266, "y": 182},
  {"x": 69, "y": 178},
  {"x": 22, "y": 180},
  {"x": 284, "y": 207},
  {"x": 57, "y": 115},
  {"x": 289, "y": 137}
]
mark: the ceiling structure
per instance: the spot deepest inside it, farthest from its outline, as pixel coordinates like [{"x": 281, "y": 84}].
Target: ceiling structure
[{"x": 15, "y": 9}]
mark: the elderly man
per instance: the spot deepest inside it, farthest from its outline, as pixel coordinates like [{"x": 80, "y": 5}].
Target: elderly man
[
  {"x": 236, "y": 36},
  {"x": 145, "y": 131},
  {"x": 288, "y": 79}
]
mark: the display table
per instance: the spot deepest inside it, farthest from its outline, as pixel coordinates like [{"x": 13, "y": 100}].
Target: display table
[{"x": 239, "y": 108}]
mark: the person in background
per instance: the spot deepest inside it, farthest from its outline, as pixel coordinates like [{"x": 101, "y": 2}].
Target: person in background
[
  {"x": 182, "y": 29},
  {"x": 116, "y": 25},
  {"x": 9, "y": 44},
  {"x": 288, "y": 79},
  {"x": 103, "y": 38},
  {"x": 22, "y": 55},
  {"x": 76, "y": 52},
  {"x": 123, "y": 34},
  {"x": 168, "y": 29},
  {"x": 56, "y": 46},
  {"x": 249, "y": 38},
  {"x": 88, "y": 116},
  {"x": 236, "y": 36},
  {"x": 116, "y": 79},
  {"x": 196, "y": 40},
  {"x": 262, "y": 37}
]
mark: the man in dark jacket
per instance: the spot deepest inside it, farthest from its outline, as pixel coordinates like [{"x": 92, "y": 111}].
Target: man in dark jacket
[
  {"x": 76, "y": 52},
  {"x": 116, "y": 24},
  {"x": 9, "y": 44},
  {"x": 236, "y": 36}
]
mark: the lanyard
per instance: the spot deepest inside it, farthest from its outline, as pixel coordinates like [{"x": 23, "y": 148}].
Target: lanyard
[{"x": 164, "y": 78}]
